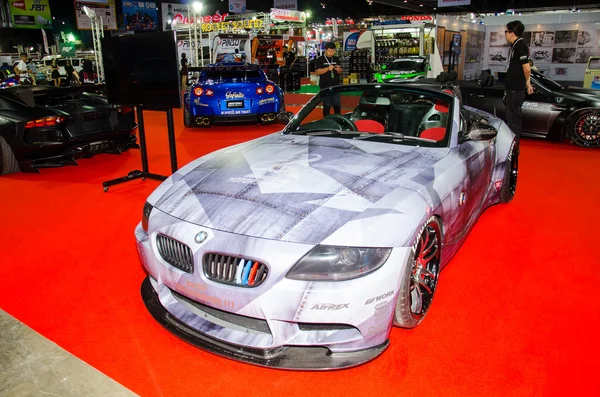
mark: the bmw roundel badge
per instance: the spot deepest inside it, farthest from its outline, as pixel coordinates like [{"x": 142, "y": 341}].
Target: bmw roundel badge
[{"x": 201, "y": 237}]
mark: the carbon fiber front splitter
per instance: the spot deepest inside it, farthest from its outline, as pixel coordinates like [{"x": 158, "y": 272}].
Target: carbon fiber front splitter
[{"x": 286, "y": 357}]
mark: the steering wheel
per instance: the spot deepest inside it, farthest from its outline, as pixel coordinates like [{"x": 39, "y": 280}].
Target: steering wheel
[{"x": 341, "y": 120}]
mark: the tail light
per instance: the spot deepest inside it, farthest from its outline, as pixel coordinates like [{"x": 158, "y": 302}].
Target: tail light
[
  {"x": 270, "y": 89},
  {"x": 51, "y": 121},
  {"x": 125, "y": 109},
  {"x": 259, "y": 90},
  {"x": 10, "y": 84},
  {"x": 198, "y": 91},
  {"x": 209, "y": 92}
]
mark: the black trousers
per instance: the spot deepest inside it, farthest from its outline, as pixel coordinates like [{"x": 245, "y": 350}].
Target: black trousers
[
  {"x": 329, "y": 101},
  {"x": 514, "y": 101}
]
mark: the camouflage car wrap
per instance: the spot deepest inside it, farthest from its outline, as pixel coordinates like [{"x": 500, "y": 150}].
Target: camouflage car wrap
[{"x": 273, "y": 200}]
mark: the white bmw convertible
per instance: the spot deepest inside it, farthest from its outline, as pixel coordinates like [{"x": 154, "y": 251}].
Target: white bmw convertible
[{"x": 302, "y": 249}]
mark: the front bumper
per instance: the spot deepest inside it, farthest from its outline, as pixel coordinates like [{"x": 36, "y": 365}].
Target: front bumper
[
  {"x": 279, "y": 318},
  {"x": 284, "y": 357}
]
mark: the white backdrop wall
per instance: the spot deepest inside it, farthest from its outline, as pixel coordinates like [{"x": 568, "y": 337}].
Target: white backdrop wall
[
  {"x": 559, "y": 43},
  {"x": 474, "y": 51}
]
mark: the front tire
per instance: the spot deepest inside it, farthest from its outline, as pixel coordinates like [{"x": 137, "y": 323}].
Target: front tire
[
  {"x": 420, "y": 277},
  {"x": 8, "y": 162},
  {"x": 509, "y": 182},
  {"x": 584, "y": 129}
]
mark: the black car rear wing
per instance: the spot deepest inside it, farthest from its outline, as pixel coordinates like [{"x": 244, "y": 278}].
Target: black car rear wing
[
  {"x": 26, "y": 94},
  {"x": 242, "y": 67}
]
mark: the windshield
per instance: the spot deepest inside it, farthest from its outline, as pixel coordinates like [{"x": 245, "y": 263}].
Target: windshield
[
  {"x": 406, "y": 65},
  {"x": 544, "y": 81},
  {"x": 230, "y": 74},
  {"x": 407, "y": 116}
]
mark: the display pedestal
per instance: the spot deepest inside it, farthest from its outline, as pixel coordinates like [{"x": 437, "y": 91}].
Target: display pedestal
[{"x": 145, "y": 173}]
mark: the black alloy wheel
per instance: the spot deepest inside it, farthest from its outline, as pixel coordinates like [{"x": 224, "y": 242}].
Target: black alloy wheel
[
  {"x": 421, "y": 277},
  {"x": 585, "y": 129}
]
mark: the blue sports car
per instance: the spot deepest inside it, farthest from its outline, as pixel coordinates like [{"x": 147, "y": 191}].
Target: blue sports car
[{"x": 228, "y": 93}]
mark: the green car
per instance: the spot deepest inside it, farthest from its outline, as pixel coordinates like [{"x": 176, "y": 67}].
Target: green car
[{"x": 408, "y": 68}]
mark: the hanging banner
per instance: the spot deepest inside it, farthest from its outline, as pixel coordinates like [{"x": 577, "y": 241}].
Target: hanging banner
[
  {"x": 350, "y": 40},
  {"x": 30, "y": 14},
  {"x": 107, "y": 12},
  {"x": 453, "y": 3},
  {"x": 139, "y": 16},
  {"x": 335, "y": 29},
  {"x": 285, "y": 4},
  {"x": 278, "y": 15},
  {"x": 237, "y": 6},
  {"x": 45, "y": 40},
  {"x": 177, "y": 16},
  {"x": 67, "y": 50}
]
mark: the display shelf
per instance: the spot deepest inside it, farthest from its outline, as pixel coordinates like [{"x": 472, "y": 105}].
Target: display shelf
[{"x": 356, "y": 62}]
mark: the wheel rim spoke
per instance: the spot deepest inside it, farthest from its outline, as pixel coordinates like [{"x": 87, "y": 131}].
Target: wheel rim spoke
[
  {"x": 424, "y": 272},
  {"x": 417, "y": 301}
]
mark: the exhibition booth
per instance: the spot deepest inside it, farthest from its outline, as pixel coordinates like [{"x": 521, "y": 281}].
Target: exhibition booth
[{"x": 237, "y": 211}]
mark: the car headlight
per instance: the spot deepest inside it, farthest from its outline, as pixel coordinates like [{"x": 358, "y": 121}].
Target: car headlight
[
  {"x": 145, "y": 215},
  {"x": 327, "y": 263}
]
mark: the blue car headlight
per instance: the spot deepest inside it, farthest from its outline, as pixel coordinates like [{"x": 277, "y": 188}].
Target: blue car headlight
[{"x": 328, "y": 263}]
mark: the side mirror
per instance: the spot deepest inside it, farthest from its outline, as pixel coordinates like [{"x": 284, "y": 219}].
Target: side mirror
[
  {"x": 284, "y": 118},
  {"x": 482, "y": 132}
]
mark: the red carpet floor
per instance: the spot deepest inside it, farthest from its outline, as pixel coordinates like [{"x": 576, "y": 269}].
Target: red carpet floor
[{"x": 517, "y": 312}]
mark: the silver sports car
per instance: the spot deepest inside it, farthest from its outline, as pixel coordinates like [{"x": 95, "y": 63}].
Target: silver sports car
[{"x": 302, "y": 249}]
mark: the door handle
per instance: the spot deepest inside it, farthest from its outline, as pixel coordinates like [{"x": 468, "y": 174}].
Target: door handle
[{"x": 477, "y": 96}]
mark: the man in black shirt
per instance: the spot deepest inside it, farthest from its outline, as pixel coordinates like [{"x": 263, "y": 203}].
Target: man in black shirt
[
  {"x": 329, "y": 71},
  {"x": 184, "y": 71},
  {"x": 517, "y": 81},
  {"x": 289, "y": 57}
]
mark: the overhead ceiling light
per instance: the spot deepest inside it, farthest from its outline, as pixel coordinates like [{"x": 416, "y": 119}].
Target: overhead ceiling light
[{"x": 420, "y": 5}]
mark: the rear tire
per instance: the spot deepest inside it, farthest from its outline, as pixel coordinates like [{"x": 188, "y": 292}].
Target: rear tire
[
  {"x": 8, "y": 162},
  {"x": 509, "y": 182},
  {"x": 584, "y": 129},
  {"x": 420, "y": 277},
  {"x": 186, "y": 117}
]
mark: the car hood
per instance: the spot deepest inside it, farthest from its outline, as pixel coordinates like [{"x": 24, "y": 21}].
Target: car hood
[
  {"x": 304, "y": 189},
  {"x": 582, "y": 93}
]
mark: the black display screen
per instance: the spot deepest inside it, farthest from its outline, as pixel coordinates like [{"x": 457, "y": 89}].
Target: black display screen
[{"x": 142, "y": 69}]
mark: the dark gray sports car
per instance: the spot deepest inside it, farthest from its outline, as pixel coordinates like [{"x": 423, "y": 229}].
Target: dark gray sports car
[
  {"x": 553, "y": 111},
  {"x": 50, "y": 127}
]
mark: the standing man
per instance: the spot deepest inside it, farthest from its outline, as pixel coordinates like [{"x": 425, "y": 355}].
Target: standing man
[
  {"x": 329, "y": 71},
  {"x": 32, "y": 70},
  {"x": 184, "y": 71},
  {"x": 517, "y": 81},
  {"x": 289, "y": 57},
  {"x": 21, "y": 67}
]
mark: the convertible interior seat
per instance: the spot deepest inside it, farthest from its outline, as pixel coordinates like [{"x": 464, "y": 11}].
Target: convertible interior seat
[
  {"x": 435, "y": 133},
  {"x": 441, "y": 106},
  {"x": 406, "y": 117},
  {"x": 366, "y": 125}
]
